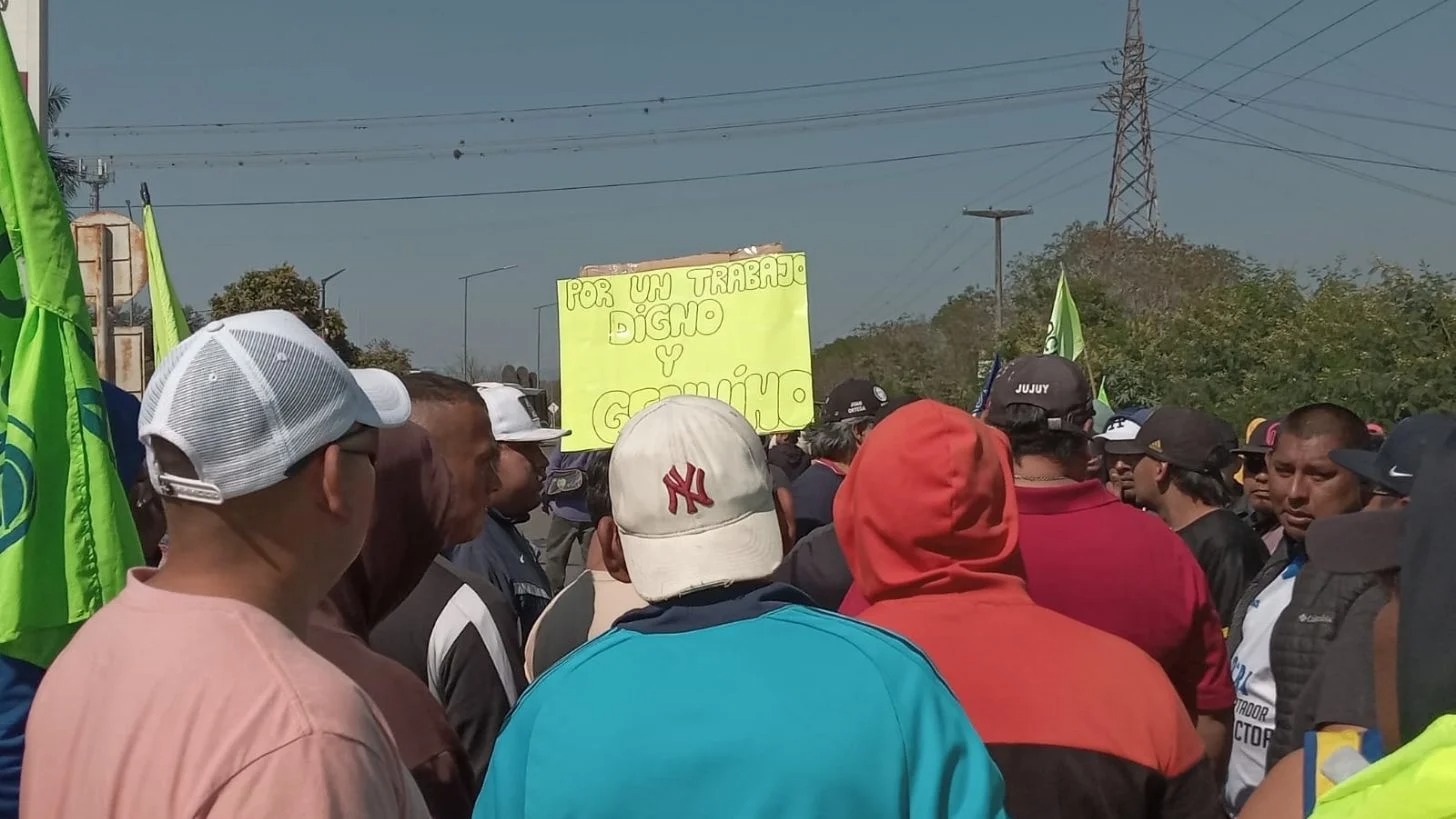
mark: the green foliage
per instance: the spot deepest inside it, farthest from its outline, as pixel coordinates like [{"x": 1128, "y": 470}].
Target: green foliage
[
  {"x": 66, "y": 169},
  {"x": 1167, "y": 321},
  {"x": 384, "y": 355},
  {"x": 282, "y": 288}
]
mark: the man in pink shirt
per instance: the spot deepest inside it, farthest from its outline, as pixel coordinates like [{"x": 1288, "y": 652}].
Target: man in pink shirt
[{"x": 192, "y": 693}]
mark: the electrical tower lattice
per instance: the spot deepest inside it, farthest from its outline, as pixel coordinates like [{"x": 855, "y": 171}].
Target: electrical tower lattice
[{"x": 1132, "y": 198}]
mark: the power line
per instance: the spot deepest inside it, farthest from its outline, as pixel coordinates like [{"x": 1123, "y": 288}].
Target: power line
[
  {"x": 638, "y": 183},
  {"x": 1280, "y": 54},
  {"x": 1312, "y": 81},
  {"x": 588, "y": 106},
  {"x": 1321, "y": 109},
  {"x": 1323, "y": 161},
  {"x": 1412, "y": 166},
  {"x": 938, "y": 109},
  {"x": 1352, "y": 49}
]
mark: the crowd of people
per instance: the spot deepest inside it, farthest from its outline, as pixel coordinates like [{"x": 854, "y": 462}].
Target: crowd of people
[{"x": 1047, "y": 609}]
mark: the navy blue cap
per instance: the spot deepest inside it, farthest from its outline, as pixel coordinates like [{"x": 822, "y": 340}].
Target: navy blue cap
[{"x": 1395, "y": 465}]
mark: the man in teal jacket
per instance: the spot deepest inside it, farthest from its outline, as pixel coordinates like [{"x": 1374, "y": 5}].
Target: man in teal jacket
[{"x": 728, "y": 695}]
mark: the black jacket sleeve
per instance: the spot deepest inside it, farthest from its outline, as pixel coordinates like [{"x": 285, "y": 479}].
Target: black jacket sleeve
[{"x": 475, "y": 699}]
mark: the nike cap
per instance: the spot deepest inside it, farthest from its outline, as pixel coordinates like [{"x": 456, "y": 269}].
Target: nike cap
[{"x": 1395, "y": 465}]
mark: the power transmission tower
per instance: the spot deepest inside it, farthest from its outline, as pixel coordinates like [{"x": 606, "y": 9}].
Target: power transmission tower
[{"x": 1132, "y": 198}]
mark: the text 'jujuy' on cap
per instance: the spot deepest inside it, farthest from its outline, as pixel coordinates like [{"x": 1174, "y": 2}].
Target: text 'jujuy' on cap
[{"x": 1053, "y": 384}]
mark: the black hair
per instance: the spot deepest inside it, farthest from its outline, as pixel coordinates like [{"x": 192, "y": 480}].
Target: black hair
[
  {"x": 1026, "y": 425},
  {"x": 598, "y": 486},
  {"x": 434, "y": 388},
  {"x": 1210, "y": 490},
  {"x": 1333, "y": 420}
]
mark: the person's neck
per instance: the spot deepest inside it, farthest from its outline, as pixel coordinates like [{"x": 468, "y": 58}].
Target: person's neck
[
  {"x": 207, "y": 565},
  {"x": 594, "y": 561},
  {"x": 839, "y": 466},
  {"x": 1039, "y": 470},
  {"x": 1180, "y": 511}
]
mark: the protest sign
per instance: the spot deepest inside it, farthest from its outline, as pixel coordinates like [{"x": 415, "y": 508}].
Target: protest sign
[{"x": 735, "y": 329}]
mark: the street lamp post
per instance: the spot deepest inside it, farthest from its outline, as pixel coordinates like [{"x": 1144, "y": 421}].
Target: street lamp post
[
  {"x": 997, "y": 215},
  {"x": 324, "y": 287},
  {"x": 465, "y": 331},
  {"x": 538, "y": 335}
]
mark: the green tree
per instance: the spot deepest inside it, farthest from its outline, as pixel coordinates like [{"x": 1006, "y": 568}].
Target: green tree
[
  {"x": 282, "y": 288},
  {"x": 384, "y": 355},
  {"x": 1171, "y": 322},
  {"x": 66, "y": 169}
]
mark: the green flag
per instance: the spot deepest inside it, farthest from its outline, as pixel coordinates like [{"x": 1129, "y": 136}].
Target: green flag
[
  {"x": 1102, "y": 391},
  {"x": 66, "y": 532},
  {"x": 169, "y": 323},
  {"x": 1064, "y": 333}
]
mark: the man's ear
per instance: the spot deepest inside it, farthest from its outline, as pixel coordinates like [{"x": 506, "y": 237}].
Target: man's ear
[
  {"x": 327, "y": 472},
  {"x": 611, "y": 542},
  {"x": 1164, "y": 473}
]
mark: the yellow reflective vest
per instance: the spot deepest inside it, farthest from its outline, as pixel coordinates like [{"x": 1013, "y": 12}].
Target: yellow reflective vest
[{"x": 1416, "y": 782}]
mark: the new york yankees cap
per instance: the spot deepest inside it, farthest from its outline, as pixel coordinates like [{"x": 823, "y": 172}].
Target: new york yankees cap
[
  {"x": 1395, "y": 466},
  {"x": 248, "y": 397},
  {"x": 692, "y": 499}
]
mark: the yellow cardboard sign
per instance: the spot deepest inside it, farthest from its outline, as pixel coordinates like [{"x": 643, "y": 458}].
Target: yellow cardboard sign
[{"x": 737, "y": 331}]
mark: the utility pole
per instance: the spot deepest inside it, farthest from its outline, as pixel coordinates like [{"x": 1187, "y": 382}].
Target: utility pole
[
  {"x": 998, "y": 215},
  {"x": 538, "y": 334},
  {"x": 465, "y": 330},
  {"x": 97, "y": 174},
  {"x": 1132, "y": 196},
  {"x": 324, "y": 287}
]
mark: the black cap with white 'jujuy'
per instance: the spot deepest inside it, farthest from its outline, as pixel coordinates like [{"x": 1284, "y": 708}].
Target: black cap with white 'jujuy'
[{"x": 1051, "y": 383}]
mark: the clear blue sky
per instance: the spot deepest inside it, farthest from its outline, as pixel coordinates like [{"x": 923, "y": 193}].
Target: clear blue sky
[{"x": 877, "y": 236}]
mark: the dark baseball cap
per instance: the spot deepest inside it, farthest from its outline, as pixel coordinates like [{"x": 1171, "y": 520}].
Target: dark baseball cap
[
  {"x": 1188, "y": 438},
  {"x": 1261, "y": 438},
  {"x": 1049, "y": 382},
  {"x": 854, "y": 400},
  {"x": 1358, "y": 542},
  {"x": 1395, "y": 465}
]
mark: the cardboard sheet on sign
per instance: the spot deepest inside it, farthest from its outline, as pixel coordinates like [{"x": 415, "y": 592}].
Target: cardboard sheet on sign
[{"x": 732, "y": 326}]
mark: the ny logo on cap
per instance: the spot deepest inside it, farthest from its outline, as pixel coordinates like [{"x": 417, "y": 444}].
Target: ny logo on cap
[{"x": 689, "y": 488}]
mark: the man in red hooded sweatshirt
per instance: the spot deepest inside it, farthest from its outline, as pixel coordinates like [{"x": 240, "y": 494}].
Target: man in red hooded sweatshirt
[{"x": 1081, "y": 723}]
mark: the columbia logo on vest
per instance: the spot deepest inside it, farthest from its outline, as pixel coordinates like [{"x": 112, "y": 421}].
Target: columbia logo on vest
[
  {"x": 1032, "y": 389},
  {"x": 1327, "y": 617}
]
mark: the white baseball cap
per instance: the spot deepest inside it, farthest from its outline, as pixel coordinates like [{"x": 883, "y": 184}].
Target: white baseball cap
[
  {"x": 692, "y": 499},
  {"x": 1119, "y": 436},
  {"x": 513, "y": 419},
  {"x": 248, "y": 397}
]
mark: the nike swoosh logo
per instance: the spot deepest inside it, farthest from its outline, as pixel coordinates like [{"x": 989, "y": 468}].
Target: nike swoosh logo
[{"x": 1396, "y": 473}]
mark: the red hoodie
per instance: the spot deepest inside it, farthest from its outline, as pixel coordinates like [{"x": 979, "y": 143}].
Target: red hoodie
[{"x": 1082, "y": 723}]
